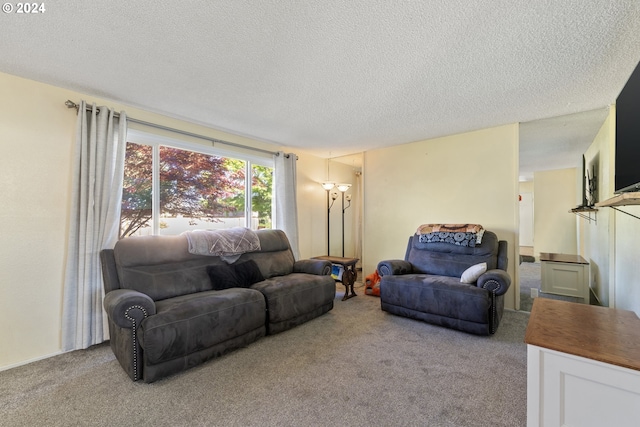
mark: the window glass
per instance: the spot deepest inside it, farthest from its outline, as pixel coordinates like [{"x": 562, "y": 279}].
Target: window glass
[
  {"x": 200, "y": 191},
  {"x": 261, "y": 190},
  {"x": 136, "y": 213},
  {"x": 195, "y": 190}
]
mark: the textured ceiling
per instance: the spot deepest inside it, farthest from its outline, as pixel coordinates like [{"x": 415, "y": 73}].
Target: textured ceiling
[{"x": 336, "y": 77}]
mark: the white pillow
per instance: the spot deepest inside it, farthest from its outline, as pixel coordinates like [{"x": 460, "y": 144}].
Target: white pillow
[{"x": 472, "y": 273}]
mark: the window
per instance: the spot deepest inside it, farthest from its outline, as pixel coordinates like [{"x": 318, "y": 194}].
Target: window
[{"x": 169, "y": 189}]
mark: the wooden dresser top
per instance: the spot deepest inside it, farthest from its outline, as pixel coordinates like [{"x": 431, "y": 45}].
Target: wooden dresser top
[{"x": 599, "y": 333}]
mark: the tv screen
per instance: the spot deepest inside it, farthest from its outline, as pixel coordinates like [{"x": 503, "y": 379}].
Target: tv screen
[{"x": 627, "y": 162}]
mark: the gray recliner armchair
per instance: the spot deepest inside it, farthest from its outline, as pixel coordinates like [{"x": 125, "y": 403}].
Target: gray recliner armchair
[{"x": 427, "y": 285}]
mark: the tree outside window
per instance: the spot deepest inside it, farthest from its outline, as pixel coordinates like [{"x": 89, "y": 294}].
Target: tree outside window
[{"x": 196, "y": 190}]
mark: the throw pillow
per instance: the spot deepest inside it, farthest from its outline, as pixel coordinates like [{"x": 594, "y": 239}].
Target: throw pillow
[
  {"x": 223, "y": 276},
  {"x": 471, "y": 274},
  {"x": 248, "y": 273}
]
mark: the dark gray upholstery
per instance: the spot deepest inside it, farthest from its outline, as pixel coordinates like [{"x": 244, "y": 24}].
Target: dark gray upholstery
[
  {"x": 426, "y": 284},
  {"x": 164, "y": 315}
]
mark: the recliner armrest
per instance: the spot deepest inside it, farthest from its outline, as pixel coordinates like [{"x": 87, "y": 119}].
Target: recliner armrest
[
  {"x": 497, "y": 281},
  {"x": 394, "y": 267},
  {"x": 126, "y": 307},
  {"x": 312, "y": 266}
]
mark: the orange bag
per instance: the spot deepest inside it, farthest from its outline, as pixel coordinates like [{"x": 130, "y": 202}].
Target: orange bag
[{"x": 372, "y": 284}]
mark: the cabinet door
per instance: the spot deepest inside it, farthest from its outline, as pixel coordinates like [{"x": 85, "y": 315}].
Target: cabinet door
[
  {"x": 566, "y": 390},
  {"x": 564, "y": 279}
]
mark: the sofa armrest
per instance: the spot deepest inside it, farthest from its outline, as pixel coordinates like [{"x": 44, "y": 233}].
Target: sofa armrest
[
  {"x": 312, "y": 266},
  {"x": 497, "y": 281},
  {"x": 394, "y": 267},
  {"x": 126, "y": 307}
]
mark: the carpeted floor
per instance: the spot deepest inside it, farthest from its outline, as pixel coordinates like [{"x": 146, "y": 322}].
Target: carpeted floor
[
  {"x": 354, "y": 366},
  {"x": 529, "y": 278}
]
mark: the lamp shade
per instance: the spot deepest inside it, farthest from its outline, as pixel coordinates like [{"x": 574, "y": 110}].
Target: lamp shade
[
  {"x": 343, "y": 187},
  {"x": 328, "y": 185}
]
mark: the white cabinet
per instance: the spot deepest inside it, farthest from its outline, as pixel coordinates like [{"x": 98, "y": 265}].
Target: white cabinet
[
  {"x": 564, "y": 274},
  {"x": 567, "y": 390},
  {"x": 583, "y": 365}
]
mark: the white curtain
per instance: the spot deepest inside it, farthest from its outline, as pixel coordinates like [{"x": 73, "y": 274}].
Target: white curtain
[
  {"x": 285, "y": 197},
  {"x": 95, "y": 217}
]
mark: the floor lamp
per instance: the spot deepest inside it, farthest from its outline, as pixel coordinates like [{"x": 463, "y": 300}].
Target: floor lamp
[
  {"x": 343, "y": 188},
  {"x": 328, "y": 186}
]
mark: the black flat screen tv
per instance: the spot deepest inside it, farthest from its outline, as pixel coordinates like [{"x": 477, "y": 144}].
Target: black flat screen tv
[{"x": 627, "y": 161}]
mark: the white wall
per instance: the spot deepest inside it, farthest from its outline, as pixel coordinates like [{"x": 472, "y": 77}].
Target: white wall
[
  {"x": 612, "y": 244},
  {"x": 627, "y": 260},
  {"x": 37, "y": 133},
  {"x": 526, "y": 206},
  {"x": 465, "y": 178},
  {"x": 596, "y": 238},
  {"x": 554, "y": 225}
]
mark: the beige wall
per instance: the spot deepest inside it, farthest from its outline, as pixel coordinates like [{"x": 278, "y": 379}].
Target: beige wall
[
  {"x": 312, "y": 206},
  {"x": 554, "y": 227},
  {"x": 465, "y": 178},
  {"x": 37, "y": 133},
  {"x": 344, "y": 173}
]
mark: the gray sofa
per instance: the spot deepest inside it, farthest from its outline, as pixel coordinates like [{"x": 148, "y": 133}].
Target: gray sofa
[
  {"x": 426, "y": 284},
  {"x": 165, "y": 316}
]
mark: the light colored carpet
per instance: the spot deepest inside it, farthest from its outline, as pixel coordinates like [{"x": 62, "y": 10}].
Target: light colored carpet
[{"x": 354, "y": 366}]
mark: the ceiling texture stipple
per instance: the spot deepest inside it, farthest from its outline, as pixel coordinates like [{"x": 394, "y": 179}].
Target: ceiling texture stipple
[{"x": 336, "y": 76}]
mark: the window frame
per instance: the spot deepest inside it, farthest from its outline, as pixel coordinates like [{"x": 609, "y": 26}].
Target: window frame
[{"x": 154, "y": 140}]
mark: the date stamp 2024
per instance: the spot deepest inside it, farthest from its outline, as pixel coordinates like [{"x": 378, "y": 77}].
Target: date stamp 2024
[{"x": 24, "y": 8}]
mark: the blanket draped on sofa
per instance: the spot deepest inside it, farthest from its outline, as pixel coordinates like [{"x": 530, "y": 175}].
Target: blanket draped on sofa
[{"x": 228, "y": 244}]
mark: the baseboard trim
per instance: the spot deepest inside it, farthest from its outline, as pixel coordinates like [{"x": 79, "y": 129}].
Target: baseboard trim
[{"x": 26, "y": 362}]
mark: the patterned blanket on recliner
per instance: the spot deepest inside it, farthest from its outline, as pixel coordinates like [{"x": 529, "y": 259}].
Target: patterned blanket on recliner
[
  {"x": 456, "y": 234},
  {"x": 449, "y": 228}
]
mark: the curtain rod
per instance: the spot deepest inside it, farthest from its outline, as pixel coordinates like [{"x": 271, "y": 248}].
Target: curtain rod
[{"x": 71, "y": 104}]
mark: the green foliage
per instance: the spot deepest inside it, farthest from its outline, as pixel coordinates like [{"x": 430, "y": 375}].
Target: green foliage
[
  {"x": 194, "y": 185},
  {"x": 261, "y": 193}
]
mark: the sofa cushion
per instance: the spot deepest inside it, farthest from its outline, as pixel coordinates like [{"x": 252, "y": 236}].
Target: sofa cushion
[
  {"x": 437, "y": 295},
  {"x": 445, "y": 259},
  {"x": 162, "y": 267},
  {"x": 166, "y": 280},
  {"x": 295, "y": 294},
  {"x": 191, "y": 323}
]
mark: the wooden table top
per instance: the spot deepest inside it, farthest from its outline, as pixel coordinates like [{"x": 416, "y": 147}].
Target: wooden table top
[
  {"x": 605, "y": 334},
  {"x": 338, "y": 260},
  {"x": 571, "y": 259}
]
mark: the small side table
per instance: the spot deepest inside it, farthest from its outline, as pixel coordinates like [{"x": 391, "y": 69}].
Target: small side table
[{"x": 349, "y": 274}]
